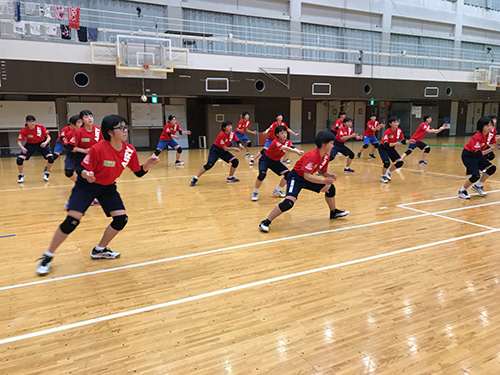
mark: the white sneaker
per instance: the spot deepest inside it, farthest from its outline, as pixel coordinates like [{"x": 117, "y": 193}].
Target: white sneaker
[
  {"x": 264, "y": 225},
  {"x": 279, "y": 193},
  {"x": 251, "y": 162},
  {"x": 388, "y": 176},
  {"x": 104, "y": 254},
  {"x": 20, "y": 178},
  {"x": 384, "y": 179},
  {"x": 44, "y": 265},
  {"x": 255, "y": 196},
  {"x": 178, "y": 163},
  {"x": 46, "y": 176},
  {"x": 463, "y": 194},
  {"x": 479, "y": 190},
  {"x": 287, "y": 161},
  {"x": 247, "y": 155}
]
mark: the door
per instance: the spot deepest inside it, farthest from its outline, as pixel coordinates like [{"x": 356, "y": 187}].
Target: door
[{"x": 308, "y": 121}]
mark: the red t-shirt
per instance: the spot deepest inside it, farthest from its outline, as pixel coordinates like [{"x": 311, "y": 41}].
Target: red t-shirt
[
  {"x": 242, "y": 126},
  {"x": 86, "y": 139},
  {"x": 392, "y": 136},
  {"x": 273, "y": 127},
  {"x": 224, "y": 139},
  {"x": 342, "y": 132},
  {"x": 370, "y": 129},
  {"x": 492, "y": 137},
  {"x": 35, "y": 135},
  {"x": 274, "y": 152},
  {"x": 421, "y": 132},
  {"x": 478, "y": 142},
  {"x": 66, "y": 134},
  {"x": 169, "y": 129},
  {"x": 311, "y": 162},
  {"x": 337, "y": 124},
  {"x": 108, "y": 164}
]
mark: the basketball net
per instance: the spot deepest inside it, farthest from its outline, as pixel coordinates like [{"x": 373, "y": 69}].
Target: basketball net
[{"x": 145, "y": 66}]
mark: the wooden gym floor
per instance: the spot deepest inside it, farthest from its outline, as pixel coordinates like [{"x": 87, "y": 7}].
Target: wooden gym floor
[{"x": 408, "y": 283}]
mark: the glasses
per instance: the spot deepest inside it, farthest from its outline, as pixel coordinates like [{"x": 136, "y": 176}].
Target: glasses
[{"x": 121, "y": 127}]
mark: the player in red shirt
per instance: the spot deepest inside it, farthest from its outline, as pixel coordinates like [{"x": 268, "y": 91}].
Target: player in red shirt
[
  {"x": 343, "y": 134},
  {"x": 103, "y": 164},
  {"x": 473, "y": 157},
  {"x": 37, "y": 139},
  {"x": 303, "y": 176},
  {"x": 271, "y": 136},
  {"x": 171, "y": 127},
  {"x": 369, "y": 136},
  {"x": 422, "y": 130},
  {"x": 492, "y": 137},
  {"x": 75, "y": 122},
  {"x": 338, "y": 123},
  {"x": 271, "y": 160},
  {"x": 220, "y": 149},
  {"x": 387, "y": 150},
  {"x": 241, "y": 128}
]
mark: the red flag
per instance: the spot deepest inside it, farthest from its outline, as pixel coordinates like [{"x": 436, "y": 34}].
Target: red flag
[{"x": 74, "y": 17}]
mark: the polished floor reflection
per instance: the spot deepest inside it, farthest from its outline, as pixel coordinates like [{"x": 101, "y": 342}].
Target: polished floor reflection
[{"x": 408, "y": 283}]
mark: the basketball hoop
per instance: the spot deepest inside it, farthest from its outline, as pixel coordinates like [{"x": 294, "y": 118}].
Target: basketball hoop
[{"x": 146, "y": 66}]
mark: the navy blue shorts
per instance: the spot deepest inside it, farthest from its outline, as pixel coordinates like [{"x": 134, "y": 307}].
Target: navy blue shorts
[
  {"x": 216, "y": 153},
  {"x": 421, "y": 145},
  {"x": 84, "y": 193},
  {"x": 388, "y": 153},
  {"x": 70, "y": 161},
  {"x": 296, "y": 183},
  {"x": 79, "y": 157},
  {"x": 31, "y": 148},
  {"x": 276, "y": 166},
  {"x": 342, "y": 148},
  {"x": 474, "y": 164},
  {"x": 162, "y": 144}
]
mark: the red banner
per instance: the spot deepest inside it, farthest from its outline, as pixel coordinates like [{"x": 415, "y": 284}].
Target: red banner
[{"x": 74, "y": 17}]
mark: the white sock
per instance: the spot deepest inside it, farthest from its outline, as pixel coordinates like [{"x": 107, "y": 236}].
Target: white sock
[
  {"x": 230, "y": 177},
  {"x": 463, "y": 189},
  {"x": 278, "y": 188},
  {"x": 479, "y": 184},
  {"x": 100, "y": 248},
  {"x": 48, "y": 253},
  {"x": 256, "y": 190},
  {"x": 195, "y": 177}
]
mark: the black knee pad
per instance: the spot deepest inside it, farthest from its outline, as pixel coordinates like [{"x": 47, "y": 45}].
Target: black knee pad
[
  {"x": 427, "y": 150},
  {"x": 263, "y": 151},
  {"x": 330, "y": 192},
  {"x": 408, "y": 152},
  {"x": 286, "y": 205},
  {"x": 399, "y": 164},
  {"x": 157, "y": 152},
  {"x": 179, "y": 150},
  {"x": 19, "y": 161},
  {"x": 51, "y": 159},
  {"x": 490, "y": 156},
  {"x": 475, "y": 177},
  {"x": 261, "y": 176},
  {"x": 365, "y": 146},
  {"x": 350, "y": 155},
  {"x": 208, "y": 166},
  {"x": 69, "y": 224},
  {"x": 491, "y": 170},
  {"x": 119, "y": 222},
  {"x": 375, "y": 145},
  {"x": 285, "y": 175},
  {"x": 235, "y": 163},
  {"x": 55, "y": 156},
  {"x": 69, "y": 172},
  {"x": 387, "y": 164},
  {"x": 249, "y": 144}
]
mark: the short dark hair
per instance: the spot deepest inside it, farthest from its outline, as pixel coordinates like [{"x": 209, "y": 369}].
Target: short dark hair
[
  {"x": 392, "y": 119},
  {"x": 85, "y": 112},
  {"x": 108, "y": 124},
  {"x": 324, "y": 137},
  {"x": 30, "y": 118},
  {"x": 373, "y": 115},
  {"x": 347, "y": 119},
  {"x": 171, "y": 117},
  {"x": 279, "y": 129},
  {"x": 493, "y": 117},
  {"x": 74, "y": 119},
  {"x": 278, "y": 114},
  {"x": 482, "y": 122},
  {"x": 226, "y": 123},
  {"x": 341, "y": 113},
  {"x": 426, "y": 117},
  {"x": 245, "y": 113}
]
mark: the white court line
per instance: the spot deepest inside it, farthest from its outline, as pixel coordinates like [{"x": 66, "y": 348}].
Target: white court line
[
  {"x": 232, "y": 289},
  {"x": 43, "y": 281},
  {"x": 442, "y": 199},
  {"x": 119, "y": 181}
]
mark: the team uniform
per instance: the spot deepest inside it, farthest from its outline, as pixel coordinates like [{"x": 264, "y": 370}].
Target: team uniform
[
  {"x": 473, "y": 160},
  {"x": 85, "y": 139},
  {"x": 339, "y": 144},
  {"x": 60, "y": 140},
  {"x": 240, "y": 130},
  {"x": 271, "y": 158},
  {"x": 271, "y": 136},
  {"x": 369, "y": 134},
  {"x": 166, "y": 136},
  {"x": 337, "y": 125},
  {"x": 311, "y": 162},
  {"x": 107, "y": 165},
  {"x": 34, "y": 138},
  {"x": 387, "y": 152},
  {"x": 217, "y": 149},
  {"x": 418, "y": 136},
  {"x": 491, "y": 141},
  {"x": 70, "y": 160}
]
